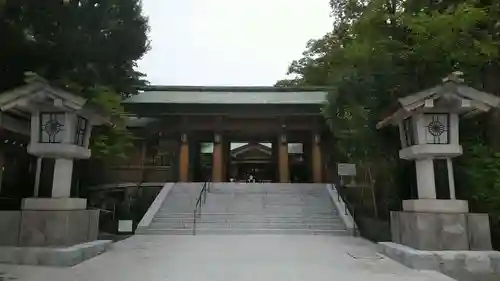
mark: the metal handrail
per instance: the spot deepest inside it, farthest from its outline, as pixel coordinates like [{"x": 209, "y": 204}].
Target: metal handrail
[
  {"x": 201, "y": 200},
  {"x": 348, "y": 207}
]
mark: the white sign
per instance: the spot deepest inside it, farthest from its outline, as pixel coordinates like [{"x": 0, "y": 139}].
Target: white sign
[
  {"x": 346, "y": 169},
  {"x": 125, "y": 226}
]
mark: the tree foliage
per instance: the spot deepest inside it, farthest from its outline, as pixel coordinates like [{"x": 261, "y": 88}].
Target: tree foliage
[
  {"x": 379, "y": 50},
  {"x": 481, "y": 167},
  {"x": 88, "y": 46}
]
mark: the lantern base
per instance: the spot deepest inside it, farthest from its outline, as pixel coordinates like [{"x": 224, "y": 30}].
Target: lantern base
[
  {"x": 36, "y": 228},
  {"x": 441, "y": 231},
  {"x": 436, "y": 206}
]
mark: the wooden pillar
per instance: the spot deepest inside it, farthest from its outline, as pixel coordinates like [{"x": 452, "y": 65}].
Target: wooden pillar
[
  {"x": 217, "y": 159},
  {"x": 283, "y": 159},
  {"x": 226, "y": 158},
  {"x": 317, "y": 164},
  {"x": 184, "y": 159}
]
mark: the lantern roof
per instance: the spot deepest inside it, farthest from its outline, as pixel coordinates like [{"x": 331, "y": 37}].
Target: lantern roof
[
  {"x": 37, "y": 94},
  {"x": 451, "y": 95}
]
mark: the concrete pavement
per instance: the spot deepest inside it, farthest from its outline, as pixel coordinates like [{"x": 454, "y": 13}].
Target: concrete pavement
[{"x": 232, "y": 257}]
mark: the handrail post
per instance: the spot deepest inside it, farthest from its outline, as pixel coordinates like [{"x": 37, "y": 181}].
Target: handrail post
[
  {"x": 194, "y": 222},
  {"x": 205, "y": 193},
  {"x": 200, "y": 200},
  {"x": 346, "y": 206}
]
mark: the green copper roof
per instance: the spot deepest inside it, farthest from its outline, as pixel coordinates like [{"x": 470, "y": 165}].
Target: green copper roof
[{"x": 228, "y": 95}]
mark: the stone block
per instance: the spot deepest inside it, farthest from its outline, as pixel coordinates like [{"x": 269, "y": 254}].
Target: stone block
[
  {"x": 407, "y": 223},
  {"x": 30, "y": 256},
  {"x": 94, "y": 248},
  {"x": 56, "y": 228},
  {"x": 10, "y": 222},
  {"x": 495, "y": 261},
  {"x": 478, "y": 262},
  {"x": 395, "y": 227},
  {"x": 62, "y": 257},
  {"x": 426, "y": 231},
  {"x": 93, "y": 225},
  {"x": 421, "y": 260},
  {"x": 479, "y": 232},
  {"x": 451, "y": 261},
  {"x": 77, "y": 227},
  {"x": 438, "y": 231},
  {"x": 10, "y": 254},
  {"x": 452, "y": 229},
  {"x": 392, "y": 250},
  {"x": 418, "y": 230}
]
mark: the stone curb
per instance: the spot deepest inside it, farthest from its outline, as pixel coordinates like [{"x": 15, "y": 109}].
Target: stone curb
[
  {"x": 46, "y": 256},
  {"x": 471, "y": 265},
  {"x": 153, "y": 209},
  {"x": 347, "y": 219}
]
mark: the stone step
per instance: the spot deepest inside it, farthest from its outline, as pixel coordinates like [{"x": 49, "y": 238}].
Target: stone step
[
  {"x": 233, "y": 208},
  {"x": 245, "y": 225},
  {"x": 329, "y": 215},
  {"x": 284, "y": 206},
  {"x": 217, "y": 201},
  {"x": 248, "y": 220},
  {"x": 228, "y": 188},
  {"x": 269, "y": 191},
  {"x": 235, "y": 231}
]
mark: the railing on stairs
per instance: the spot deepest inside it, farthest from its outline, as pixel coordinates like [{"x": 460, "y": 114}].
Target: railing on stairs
[
  {"x": 348, "y": 207},
  {"x": 200, "y": 201}
]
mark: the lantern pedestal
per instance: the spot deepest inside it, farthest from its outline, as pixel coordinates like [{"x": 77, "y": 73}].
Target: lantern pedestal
[
  {"x": 41, "y": 228},
  {"x": 436, "y": 206},
  {"x": 50, "y": 237},
  {"x": 53, "y": 222},
  {"x": 441, "y": 231}
]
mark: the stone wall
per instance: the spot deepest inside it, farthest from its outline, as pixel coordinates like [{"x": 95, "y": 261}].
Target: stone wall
[
  {"x": 136, "y": 174},
  {"x": 122, "y": 202},
  {"x": 374, "y": 229},
  {"x": 98, "y": 174}
]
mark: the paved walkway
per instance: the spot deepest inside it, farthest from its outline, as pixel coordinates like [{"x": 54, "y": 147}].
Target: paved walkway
[{"x": 231, "y": 258}]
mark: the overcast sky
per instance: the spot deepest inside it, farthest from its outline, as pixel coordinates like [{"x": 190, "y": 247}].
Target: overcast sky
[{"x": 229, "y": 42}]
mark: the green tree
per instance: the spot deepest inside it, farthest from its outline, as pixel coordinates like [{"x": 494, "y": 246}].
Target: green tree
[
  {"x": 379, "y": 50},
  {"x": 88, "y": 46}
]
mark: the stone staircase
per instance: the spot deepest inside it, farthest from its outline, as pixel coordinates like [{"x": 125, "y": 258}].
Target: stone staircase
[{"x": 241, "y": 208}]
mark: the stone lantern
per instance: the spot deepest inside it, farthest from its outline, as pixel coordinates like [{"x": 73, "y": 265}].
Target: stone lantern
[
  {"x": 428, "y": 123},
  {"x": 61, "y": 124}
]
